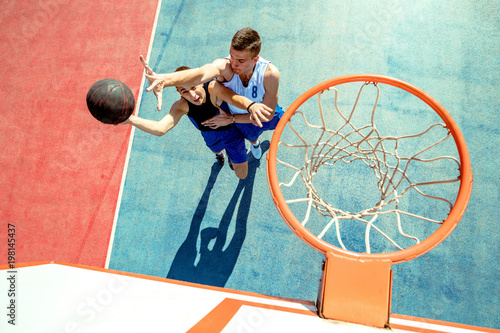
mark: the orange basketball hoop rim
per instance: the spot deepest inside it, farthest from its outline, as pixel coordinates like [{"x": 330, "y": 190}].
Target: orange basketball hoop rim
[{"x": 412, "y": 252}]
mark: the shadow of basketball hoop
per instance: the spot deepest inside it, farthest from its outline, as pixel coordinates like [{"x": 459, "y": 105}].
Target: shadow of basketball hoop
[{"x": 214, "y": 263}]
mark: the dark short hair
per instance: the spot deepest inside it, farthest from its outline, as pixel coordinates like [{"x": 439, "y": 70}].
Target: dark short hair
[
  {"x": 247, "y": 39},
  {"x": 182, "y": 68}
]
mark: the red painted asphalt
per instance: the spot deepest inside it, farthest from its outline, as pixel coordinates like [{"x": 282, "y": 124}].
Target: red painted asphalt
[{"x": 61, "y": 169}]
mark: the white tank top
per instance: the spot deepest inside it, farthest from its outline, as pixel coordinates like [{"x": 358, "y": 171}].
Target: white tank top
[{"x": 254, "y": 90}]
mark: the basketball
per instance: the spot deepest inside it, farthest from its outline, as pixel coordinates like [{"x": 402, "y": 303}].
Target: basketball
[{"x": 110, "y": 101}]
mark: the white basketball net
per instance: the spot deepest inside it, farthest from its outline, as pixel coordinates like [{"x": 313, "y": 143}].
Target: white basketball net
[{"x": 348, "y": 143}]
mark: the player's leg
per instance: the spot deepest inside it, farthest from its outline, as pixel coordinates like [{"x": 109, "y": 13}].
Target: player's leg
[
  {"x": 220, "y": 157},
  {"x": 215, "y": 141},
  {"x": 252, "y": 132},
  {"x": 236, "y": 152},
  {"x": 241, "y": 170},
  {"x": 255, "y": 149}
]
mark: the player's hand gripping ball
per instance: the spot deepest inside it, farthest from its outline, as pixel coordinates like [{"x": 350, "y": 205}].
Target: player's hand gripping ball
[{"x": 110, "y": 101}]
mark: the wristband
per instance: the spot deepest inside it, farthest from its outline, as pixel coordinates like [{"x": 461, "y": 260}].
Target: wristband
[
  {"x": 248, "y": 107},
  {"x": 233, "y": 119}
]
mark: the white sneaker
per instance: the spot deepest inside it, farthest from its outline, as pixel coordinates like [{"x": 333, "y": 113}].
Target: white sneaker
[{"x": 256, "y": 151}]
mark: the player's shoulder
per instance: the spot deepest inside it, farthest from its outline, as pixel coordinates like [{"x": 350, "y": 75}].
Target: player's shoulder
[
  {"x": 225, "y": 69},
  {"x": 213, "y": 85},
  {"x": 221, "y": 61},
  {"x": 222, "y": 64},
  {"x": 180, "y": 106},
  {"x": 272, "y": 72}
]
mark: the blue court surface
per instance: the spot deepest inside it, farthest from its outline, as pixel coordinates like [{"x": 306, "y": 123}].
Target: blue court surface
[{"x": 181, "y": 216}]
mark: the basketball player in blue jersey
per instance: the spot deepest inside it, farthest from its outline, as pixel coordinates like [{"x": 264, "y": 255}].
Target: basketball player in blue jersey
[
  {"x": 246, "y": 73},
  {"x": 200, "y": 103}
]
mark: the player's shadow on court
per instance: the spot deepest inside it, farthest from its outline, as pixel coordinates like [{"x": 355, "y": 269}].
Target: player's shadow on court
[{"x": 216, "y": 261}]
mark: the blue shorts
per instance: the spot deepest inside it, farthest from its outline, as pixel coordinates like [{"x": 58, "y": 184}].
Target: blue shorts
[
  {"x": 214, "y": 140},
  {"x": 252, "y": 132},
  {"x": 235, "y": 145},
  {"x": 232, "y": 140}
]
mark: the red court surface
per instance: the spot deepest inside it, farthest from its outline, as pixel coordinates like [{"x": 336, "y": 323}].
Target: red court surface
[{"x": 61, "y": 169}]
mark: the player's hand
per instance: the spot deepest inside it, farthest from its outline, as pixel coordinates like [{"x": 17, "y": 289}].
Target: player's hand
[
  {"x": 260, "y": 113},
  {"x": 222, "y": 119},
  {"x": 155, "y": 82}
]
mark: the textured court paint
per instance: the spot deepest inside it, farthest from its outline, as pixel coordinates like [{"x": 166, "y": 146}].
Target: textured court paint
[
  {"x": 61, "y": 169},
  {"x": 445, "y": 48},
  {"x": 51, "y": 176}
]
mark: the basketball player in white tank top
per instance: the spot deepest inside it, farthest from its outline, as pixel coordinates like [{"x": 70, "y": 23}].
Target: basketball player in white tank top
[{"x": 254, "y": 90}]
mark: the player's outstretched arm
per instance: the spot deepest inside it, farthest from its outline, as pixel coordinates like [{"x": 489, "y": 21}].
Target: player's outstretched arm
[
  {"x": 157, "y": 82},
  {"x": 162, "y": 126}
]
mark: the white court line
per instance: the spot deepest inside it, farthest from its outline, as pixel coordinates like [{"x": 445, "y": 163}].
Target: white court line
[
  {"x": 428, "y": 326},
  {"x": 138, "y": 103}
]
